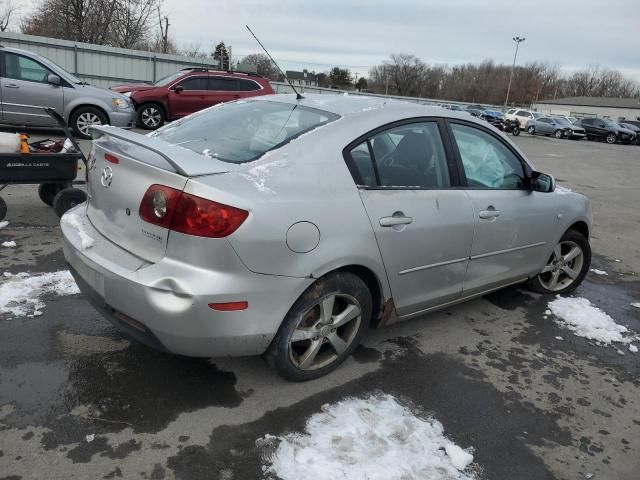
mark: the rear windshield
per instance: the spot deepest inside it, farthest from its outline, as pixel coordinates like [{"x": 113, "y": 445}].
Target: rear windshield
[{"x": 243, "y": 131}]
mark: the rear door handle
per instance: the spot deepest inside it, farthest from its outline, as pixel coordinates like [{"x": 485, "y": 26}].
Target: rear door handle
[
  {"x": 393, "y": 221},
  {"x": 11, "y": 85},
  {"x": 489, "y": 213}
]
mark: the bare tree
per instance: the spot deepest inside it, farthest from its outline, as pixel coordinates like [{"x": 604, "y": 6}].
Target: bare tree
[
  {"x": 261, "y": 64},
  {"x": 119, "y": 23},
  {"x": 486, "y": 82},
  {"x": 7, "y": 9}
]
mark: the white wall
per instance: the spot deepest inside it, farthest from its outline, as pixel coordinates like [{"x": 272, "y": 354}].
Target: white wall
[{"x": 577, "y": 110}]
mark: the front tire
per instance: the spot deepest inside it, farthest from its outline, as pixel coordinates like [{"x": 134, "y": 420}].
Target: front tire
[
  {"x": 558, "y": 134},
  {"x": 566, "y": 268},
  {"x": 86, "y": 117},
  {"x": 611, "y": 138},
  {"x": 150, "y": 116},
  {"x": 322, "y": 328}
]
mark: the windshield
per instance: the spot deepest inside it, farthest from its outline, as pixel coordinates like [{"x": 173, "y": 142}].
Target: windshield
[
  {"x": 536, "y": 114},
  {"x": 242, "y": 131},
  {"x": 562, "y": 121},
  {"x": 168, "y": 79}
]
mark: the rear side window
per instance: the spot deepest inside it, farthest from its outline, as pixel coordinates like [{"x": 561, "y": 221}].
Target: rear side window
[
  {"x": 247, "y": 85},
  {"x": 243, "y": 131},
  {"x": 407, "y": 156},
  {"x": 587, "y": 121},
  {"x": 223, "y": 84}
]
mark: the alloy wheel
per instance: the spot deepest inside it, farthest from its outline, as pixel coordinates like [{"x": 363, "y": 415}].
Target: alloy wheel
[
  {"x": 151, "y": 117},
  {"x": 86, "y": 120},
  {"x": 325, "y": 331},
  {"x": 611, "y": 138},
  {"x": 531, "y": 130},
  {"x": 564, "y": 266}
]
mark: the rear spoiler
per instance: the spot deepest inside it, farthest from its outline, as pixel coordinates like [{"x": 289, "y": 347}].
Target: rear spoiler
[{"x": 185, "y": 162}]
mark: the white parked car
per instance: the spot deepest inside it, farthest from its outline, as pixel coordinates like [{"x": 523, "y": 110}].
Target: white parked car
[
  {"x": 524, "y": 116},
  {"x": 510, "y": 114}
]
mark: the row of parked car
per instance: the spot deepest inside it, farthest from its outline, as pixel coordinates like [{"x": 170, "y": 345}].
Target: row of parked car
[
  {"x": 562, "y": 126},
  {"x": 559, "y": 126}
]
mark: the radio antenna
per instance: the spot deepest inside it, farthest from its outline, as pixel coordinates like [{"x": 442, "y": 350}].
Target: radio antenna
[{"x": 298, "y": 96}]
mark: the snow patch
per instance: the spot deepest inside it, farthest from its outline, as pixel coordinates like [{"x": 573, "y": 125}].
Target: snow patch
[
  {"x": 9, "y": 244},
  {"x": 20, "y": 293},
  {"x": 637, "y": 305},
  {"x": 598, "y": 272},
  {"x": 585, "y": 320},
  {"x": 3, "y": 224},
  {"x": 633, "y": 348},
  {"x": 73, "y": 221},
  {"x": 373, "y": 438},
  {"x": 259, "y": 174}
]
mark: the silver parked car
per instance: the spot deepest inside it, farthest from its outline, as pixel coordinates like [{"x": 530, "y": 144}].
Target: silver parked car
[
  {"x": 289, "y": 227},
  {"x": 559, "y": 127},
  {"x": 29, "y": 82}
]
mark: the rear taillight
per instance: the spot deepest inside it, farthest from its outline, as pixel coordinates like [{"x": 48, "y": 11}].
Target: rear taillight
[{"x": 186, "y": 213}]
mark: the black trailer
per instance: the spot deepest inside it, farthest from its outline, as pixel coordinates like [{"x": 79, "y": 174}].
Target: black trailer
[{"x": 55, "y": 172}]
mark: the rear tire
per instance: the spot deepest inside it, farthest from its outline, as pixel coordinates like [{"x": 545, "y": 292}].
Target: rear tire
[
  {"x": 3, "y": 209},
  {"x": 48, "y": 191},
  {"x": 150, "y": 116},
  {"x": 567, "y": 266},
  {"x": 328, "y": 320},
  {"x": 67, "y": 199},
  {"x": 84, "y": 117},
  {"x": 531, "y": 130}
]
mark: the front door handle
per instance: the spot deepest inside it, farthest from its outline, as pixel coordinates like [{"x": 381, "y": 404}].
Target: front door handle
[
  {"x": 395, "y": 220},
  {"x": 489, "y": 213},
  {"x": 11, "y": 85}
]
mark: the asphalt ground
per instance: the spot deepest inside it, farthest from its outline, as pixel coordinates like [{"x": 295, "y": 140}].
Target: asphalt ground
[{"x": 491, "y": 370}]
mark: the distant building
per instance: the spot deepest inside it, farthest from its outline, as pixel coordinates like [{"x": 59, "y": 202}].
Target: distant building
[
  {"x": 603, "y": 107},
  {"x": 303, "y": 78}
]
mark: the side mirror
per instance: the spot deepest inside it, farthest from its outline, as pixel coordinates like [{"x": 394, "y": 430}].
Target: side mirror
[
  {"x": 178, "y": 89},
  {"x": 54, "y": 80},
  {"x": 541, "y": 182}
]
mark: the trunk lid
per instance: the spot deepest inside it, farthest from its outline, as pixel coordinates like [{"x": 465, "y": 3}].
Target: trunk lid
[{"x": 121, "y": 167}]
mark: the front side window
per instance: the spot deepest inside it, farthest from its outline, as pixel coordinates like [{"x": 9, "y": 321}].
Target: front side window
[
  {"x": 407, "y": 156},
  {"x": 487, "y": 162},
  {"x": 240, "y": 132},
  {"x": 19, "y": 67},
  {"x": 194, "y": 83}
]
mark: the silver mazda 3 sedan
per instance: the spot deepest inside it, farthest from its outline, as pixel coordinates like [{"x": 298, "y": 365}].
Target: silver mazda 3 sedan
[{"x": 289, "y": 227}]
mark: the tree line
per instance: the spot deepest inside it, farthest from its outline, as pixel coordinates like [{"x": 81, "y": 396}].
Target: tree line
[{"x": 487, "y": 82}]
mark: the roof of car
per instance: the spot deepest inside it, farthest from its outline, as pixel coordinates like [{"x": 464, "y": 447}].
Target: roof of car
[{"x": 349, "y": 105}]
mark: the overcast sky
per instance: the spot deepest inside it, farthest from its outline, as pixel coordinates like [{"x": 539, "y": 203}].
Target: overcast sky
[
  {"x": 360, "y": 33},
  {"x": 318, "y": 34}
]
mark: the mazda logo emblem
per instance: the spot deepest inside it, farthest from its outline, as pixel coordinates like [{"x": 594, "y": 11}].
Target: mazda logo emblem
[{"x": 107, "y": 177}]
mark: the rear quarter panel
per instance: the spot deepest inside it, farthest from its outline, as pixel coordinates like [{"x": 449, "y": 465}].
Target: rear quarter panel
[{"x": 305, "y": 181}]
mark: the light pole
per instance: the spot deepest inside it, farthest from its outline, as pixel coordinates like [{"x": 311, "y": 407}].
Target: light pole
[{"x": 518, "y": 40}]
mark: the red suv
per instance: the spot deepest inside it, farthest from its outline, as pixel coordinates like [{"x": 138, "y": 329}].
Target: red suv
[{"x": 190, "y": 90}]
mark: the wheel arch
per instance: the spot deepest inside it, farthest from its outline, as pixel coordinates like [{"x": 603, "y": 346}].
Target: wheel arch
[
  {"x": 90, "y": 105},
  {"x": 580, "y": 227}
]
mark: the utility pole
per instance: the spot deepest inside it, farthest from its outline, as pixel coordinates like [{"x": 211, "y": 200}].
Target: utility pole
[{"x": 518, "y": 40}]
